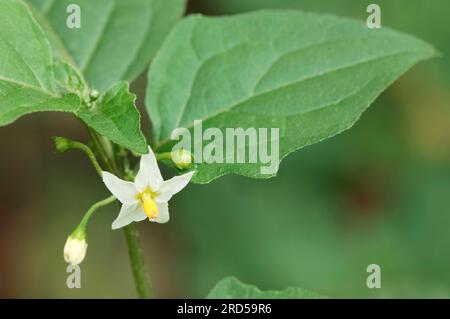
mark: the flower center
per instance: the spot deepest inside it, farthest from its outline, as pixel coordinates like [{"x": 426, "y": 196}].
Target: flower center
[{"x": 147, "y": 200}]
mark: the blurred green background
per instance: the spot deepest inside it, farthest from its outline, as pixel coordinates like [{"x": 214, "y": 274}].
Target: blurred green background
[{"x": 378, "y": 193}]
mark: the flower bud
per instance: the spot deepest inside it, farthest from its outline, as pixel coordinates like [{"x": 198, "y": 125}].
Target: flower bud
[
  {"x": 75, "y": 249},
  {"x": 182, "y": 159},
  {"x": 94, "y": 95},
  {"x": 61, "y": 144}
]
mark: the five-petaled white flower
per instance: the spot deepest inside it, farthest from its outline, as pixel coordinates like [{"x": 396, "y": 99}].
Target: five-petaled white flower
[{"x": 148, "y": 196}]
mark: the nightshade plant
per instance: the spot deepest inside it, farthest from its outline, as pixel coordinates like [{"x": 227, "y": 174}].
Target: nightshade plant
[{"x": 309, "y": 75}]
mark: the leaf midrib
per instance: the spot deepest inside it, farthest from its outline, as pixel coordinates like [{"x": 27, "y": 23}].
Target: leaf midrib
[{"x": 238, "y": 103}]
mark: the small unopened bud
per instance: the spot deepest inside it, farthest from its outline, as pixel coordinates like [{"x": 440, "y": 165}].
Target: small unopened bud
[
  {"x": 94, "y": 95},
  {"x": 61, "y": 144},
  {"x": 182, "y": 158},
  {"x": 75, "y": 249}
]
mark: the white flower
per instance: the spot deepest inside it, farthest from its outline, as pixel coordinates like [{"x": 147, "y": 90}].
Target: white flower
[
  {"x": 75, "y": 250},
  {"x": 148, "y": 196}
]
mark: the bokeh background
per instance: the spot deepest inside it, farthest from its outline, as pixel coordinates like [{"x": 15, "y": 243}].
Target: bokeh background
[{"x": 378, "y": 193}]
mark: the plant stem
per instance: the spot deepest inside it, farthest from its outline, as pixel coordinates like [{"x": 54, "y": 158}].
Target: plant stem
[
  {"x": 108, "y": 161},
  {"x": 140, "y": 274},
  {"x": 88, "y": 152},
  {"x": 137, "y": 261},
  {"x": 93, "y": 208},
  {"x": 63, "y": 144},
  {"x": 164, "y": 156}
]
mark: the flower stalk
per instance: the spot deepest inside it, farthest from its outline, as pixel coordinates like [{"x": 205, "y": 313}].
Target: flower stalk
[
  {"x": 76, "y": 244},
  {"x": 105, "y": 152},
  {"x": 84, "y": 222},
  {"x": 63, "y": 144},
  {"x": 135, "y": 253}
]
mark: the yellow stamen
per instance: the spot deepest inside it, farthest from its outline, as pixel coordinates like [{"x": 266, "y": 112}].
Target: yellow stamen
[{"x": 147, "y": 200}]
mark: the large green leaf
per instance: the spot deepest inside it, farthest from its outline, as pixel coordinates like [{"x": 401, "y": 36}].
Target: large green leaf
[
  {"x": 399, "y": 14},
  {"x": 117, "y": 38},
  {"x": 26, "y": 70},
  {"x": 116, "y": 117},
  {"x": 231, "y": 288},
  {"x": 310, "y": 75},
  {"x": 31, "y": 81}
]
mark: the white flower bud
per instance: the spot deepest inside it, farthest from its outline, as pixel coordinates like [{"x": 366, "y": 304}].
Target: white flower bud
[
  {"x": 182, "y": 158},
  {"x": 75, "y": 250}
]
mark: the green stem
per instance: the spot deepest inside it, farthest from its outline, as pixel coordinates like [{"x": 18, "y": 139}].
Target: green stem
[
  {"x": 139, "y": 269},
  {"x": 97, "y": 205},
  {"x": 90, "y": 154},
  {"x": 109, "y": 162},
  {"x": 137, "y": 261},
  {"x": 63, "y": 144},
  {"x": 164, "y": 156},
  {"x": 135, "y": 253}
]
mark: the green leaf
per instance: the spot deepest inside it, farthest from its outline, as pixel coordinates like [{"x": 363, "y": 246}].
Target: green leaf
[
  {"x": 115, "y": 116},
  {"x": 232, "y": 288},
  {"x": 310, "y": 75},
  {"x": 117, "y": 38},
  {"x": 67, "y": 78},
  {"x": 26, "y": 68}
]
